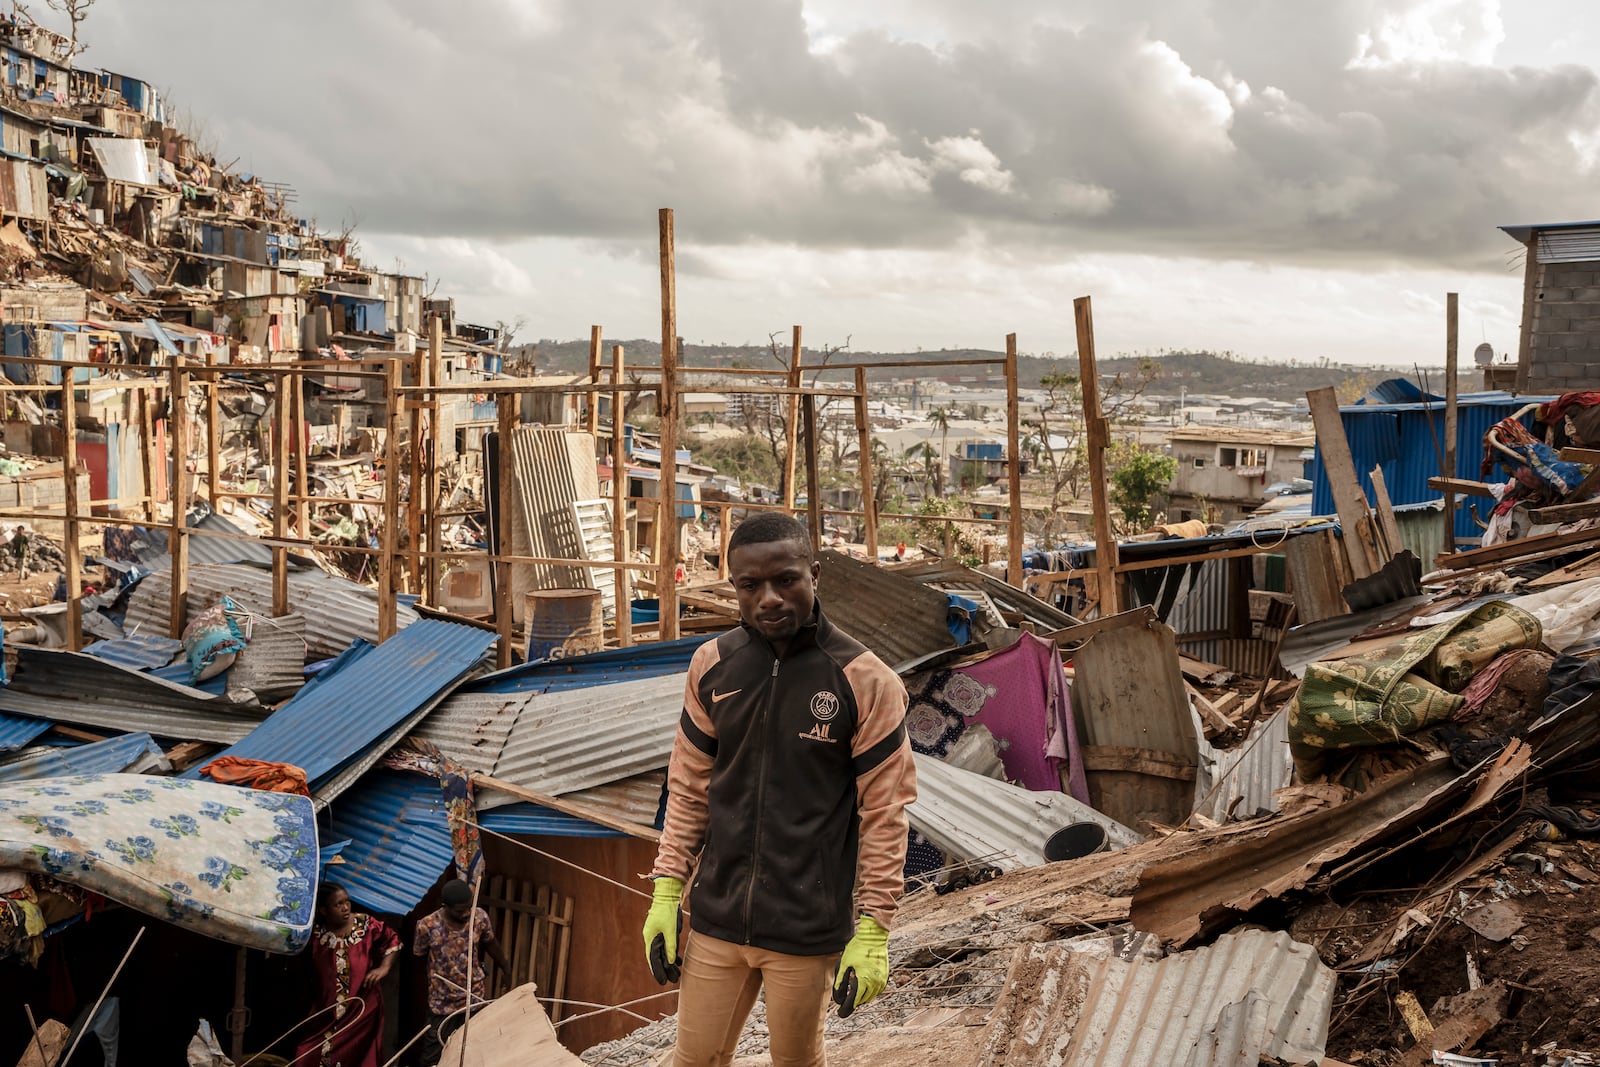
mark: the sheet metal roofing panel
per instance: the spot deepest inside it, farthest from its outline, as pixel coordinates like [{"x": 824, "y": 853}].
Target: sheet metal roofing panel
[
  {"x": 123, "y": 159},
  {"x": 568, "y": 740},
  {"x": 1251, "y": 995},
  {"x": 16, "y": 731},
  {"x": 337, "y": 610},
  {"x": 636, "y": 799},
  {"x": 400, "y": 838},
  {"x": 970, "y": 816},
  {"x": 352, "y": 705},
  {"x": 1399, "y": 438},
  {"x": 550, "y": 473},
  {"x": 598, "y": 668},
  {"x": 900, "y": 619},
  {"x": 78, "y": 688},
  {"x": 1249, "y": 774},
  {"x": 136, "y": 753},
  {"x": 141, "y": 652}
]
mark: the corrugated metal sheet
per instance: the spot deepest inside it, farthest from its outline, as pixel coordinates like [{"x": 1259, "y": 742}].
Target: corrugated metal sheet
[
  {"x": 136, "y": 753},
  {"x": 1249, "y": 774},
  {"x": 400, "y": 839},
  {"x": 1397, "y": 438},
  {"x": 141, "y": 652},
  {"x": 562, "y": 741},
  {"x": 636, "y": 799},
  {"x": 599, "y": 668},
  {"x": 352, "y": 705},
  {"x": 16, "y": 731},
  {"x": 1252, "y": 994},
  {"x": 970, "y": 816},
  {"x": 1422, "y": 531},
  {"x": 551, "y": 471},
  {"x": 78, "y": 688},
  {"x": 273, "y": 662},
  {"x": 1580, "y": 245},
  {"x": 952, "y": 576},
  {"x": 209, "y": 550},
  {"x": 1201, "y": 607},
  {"x": 337, "y": 611},
  {"x": 900, "y": 619},
  {"x": 124, "y": 159}
]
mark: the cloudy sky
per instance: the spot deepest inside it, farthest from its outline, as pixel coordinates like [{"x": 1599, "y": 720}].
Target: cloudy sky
[{"x": 1285, "y": 180}]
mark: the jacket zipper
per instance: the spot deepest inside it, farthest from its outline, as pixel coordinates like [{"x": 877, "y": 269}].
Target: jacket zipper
[{"x": 761, "y": 790}]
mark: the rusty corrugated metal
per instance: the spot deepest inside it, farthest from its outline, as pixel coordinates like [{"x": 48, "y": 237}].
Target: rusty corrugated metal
[
  {"x": 970, "y": 816},
  {"x": 900, "y": 619},
  {"x": 337, "y": 610},
  {"x": 947, "y": 574},
  {"x": 636, "y": 799},
  {"x": 1252, "y": 994}
]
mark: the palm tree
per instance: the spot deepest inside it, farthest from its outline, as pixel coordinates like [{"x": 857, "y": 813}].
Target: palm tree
[{"x": 932, "y": 467}]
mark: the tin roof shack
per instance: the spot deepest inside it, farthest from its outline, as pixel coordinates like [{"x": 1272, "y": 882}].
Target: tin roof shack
[
  {"x": 1559, "y": 348},
  {"x": 979, "y": 463},
  {"x": 28, "y": 73},
  {"x": 1226, "y": 468}
]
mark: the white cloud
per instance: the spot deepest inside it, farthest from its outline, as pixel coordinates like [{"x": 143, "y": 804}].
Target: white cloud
[
  {"x": 972, "y": 161},
  {"x": 1424, "y": 32}
]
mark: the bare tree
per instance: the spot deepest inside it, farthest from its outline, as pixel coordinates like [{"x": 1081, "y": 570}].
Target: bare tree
[
  {"x": 508, "y": 332},
  {"x": 76, "y": 11}
]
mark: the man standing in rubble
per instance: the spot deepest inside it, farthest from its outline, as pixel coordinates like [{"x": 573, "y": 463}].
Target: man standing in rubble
[
  {"x": 790, "y": 776},
  {"x": 455, "y": 940}
]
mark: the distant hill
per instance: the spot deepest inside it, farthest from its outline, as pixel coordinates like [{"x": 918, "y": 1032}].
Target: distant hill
[{"x": 1194, "y": 372}]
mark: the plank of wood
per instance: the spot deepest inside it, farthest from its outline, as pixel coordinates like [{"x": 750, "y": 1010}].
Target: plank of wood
[
  {"x": 1527, "y": 546},
  {"x": 582, "y": 811},
  {"x": 1216, "y": 723},
  {"x": 1463, "y": 487},
  {"x": 1105, "y": 545},
  {"x": 1384, "y": 507},
  {"x": 1077, "y": 635},
  {"x": 53, "y": 1036},
  {"x": 1451, "y": 415},
  {"x": 1349, "y": 500},
  {"x": 1137, "y": 761},
  {"x": 1415, "y": 1018},
  {"x": 1563, "y": 513},
  {"x": 1581, "y": 455}
]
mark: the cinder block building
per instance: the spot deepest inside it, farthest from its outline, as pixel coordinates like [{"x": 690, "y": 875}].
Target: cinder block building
[{"x": 1559, "y": 349}]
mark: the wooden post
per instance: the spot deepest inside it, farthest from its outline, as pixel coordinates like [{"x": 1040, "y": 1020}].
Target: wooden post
[
  {"x": 213, "y": 433},
  {"x": 1451, "y": 334},
  {"x": 1530, "y": 285},
  {"x": 177, "y": 534},
  {"x": 667, "y": 520},
  {"x": 619, "y": 505},
  {"x": 594, "y": 379},
  {"x": 431, "y": 473},
  {"x": 387, "y": 620},
  {"x": 416, "y": 503},
  {"x": 869, "y": 501},
  {"x": 1014, "y": 465},
  {"x": 1387, "y": 525},
  {"x": 813, "y": 479},
  {"x": 1360, "y": 545},
  {"x": 302, "y": 454},
  {"x": 147, "y": 459},
  {"x": 724, "y": 532},
  {"x": 791, "y": 426},
  {"x": 506, "y": 488},
  {"x": 280, "y": 493},
  {"x": 71, "y": 556},
  {"x": 1099, "y": 434}
]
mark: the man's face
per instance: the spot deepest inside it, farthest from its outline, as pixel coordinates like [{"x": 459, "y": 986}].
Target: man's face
[
  {"x": 457, "y": 913},
  {"x": 776, "y": 585}
]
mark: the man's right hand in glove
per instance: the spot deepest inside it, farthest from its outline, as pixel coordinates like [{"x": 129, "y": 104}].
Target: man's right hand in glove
[{"x": 661, "y": 930}]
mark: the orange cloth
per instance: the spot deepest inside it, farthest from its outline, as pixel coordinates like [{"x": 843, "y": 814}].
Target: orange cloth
[{"x": 258, "y": 774}]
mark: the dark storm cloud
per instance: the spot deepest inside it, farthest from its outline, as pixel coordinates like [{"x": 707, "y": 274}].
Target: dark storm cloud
[{"x": 1248, "y": 128}]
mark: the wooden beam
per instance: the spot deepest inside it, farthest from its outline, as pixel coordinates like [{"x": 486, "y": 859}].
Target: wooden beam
[
  {"x": 667, "y": 408},
  {"x": 417, "y": 504},
  {"x": 1530, "y": 284},
  {"x": 1452, "y": 336},
  {"x": 177, "y": 533},
  {"x": 71, "y": 554},
  {"x": 506, "y": 489},
  {"x": 594, "y": 379},
  {"x": 869, "y": 498},
  {"x": 1464, "y": 487},
  {"x": 813, "y": 476},
  {"x": 619, "y": 505},
  {"x": 435, "y": 377},
  {"x": 1077, "y": 635},
  {"x": 1014, "y": 533},
  {"x": 791, "y": 426},
  {"x": 1581, "y": 455},
  {"x": 213, "y": 436},
  {"x": 1565, "y": 512},
  {"x": 1388, "y": 525},
  {"x": 280, "y": 494},
  {"x": 1348, "y": 499},
  {"x": 387, "y": 622},
  {"x": 147, "y": 457},
  {"x": 1526, "y": 546},
  {"x": 567, "y": 807},
  {"x": 1099, "y": 435}
]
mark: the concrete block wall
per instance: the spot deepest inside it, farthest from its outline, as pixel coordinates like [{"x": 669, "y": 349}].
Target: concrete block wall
[{"x": 1564, "y": 347}]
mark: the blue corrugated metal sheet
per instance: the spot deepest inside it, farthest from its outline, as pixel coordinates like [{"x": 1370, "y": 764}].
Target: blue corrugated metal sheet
[
  {"x": 102, "y": 757},
  {"x": 353, "y": 704},
  {"x": 142, "y": 652},
  {"x": 16, "y": 731},
  {"x": 400, "y": 839},
  {"x": 1397, "y": 438},
  {"x": 599, "y": 668}
]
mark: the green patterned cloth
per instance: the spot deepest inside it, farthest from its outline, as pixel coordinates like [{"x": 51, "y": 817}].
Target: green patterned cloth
[{"x": 1381, "y": 696}]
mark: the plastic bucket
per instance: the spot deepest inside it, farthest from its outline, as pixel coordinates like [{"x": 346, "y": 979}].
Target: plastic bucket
[{"x": 1076, "y": 840}]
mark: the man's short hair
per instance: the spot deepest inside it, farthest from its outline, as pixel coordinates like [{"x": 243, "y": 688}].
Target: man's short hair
[
  {"x": 769, "y": 526},
  {"x": 455, "y": 894}
]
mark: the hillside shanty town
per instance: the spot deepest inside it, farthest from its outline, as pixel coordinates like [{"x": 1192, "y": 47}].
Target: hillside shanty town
[{"x": 381, "y": 687}]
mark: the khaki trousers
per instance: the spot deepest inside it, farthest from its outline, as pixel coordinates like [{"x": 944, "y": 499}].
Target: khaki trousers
[{"x": 720, "y": 982}]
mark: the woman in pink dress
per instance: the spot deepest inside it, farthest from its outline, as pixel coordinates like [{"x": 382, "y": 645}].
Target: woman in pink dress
[{"x": 350, "y": 955}]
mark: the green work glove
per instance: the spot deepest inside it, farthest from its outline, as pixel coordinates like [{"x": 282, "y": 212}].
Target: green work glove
[
  {"x": 661, "y": 930},
  {"x": 867, "y": 955}
]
